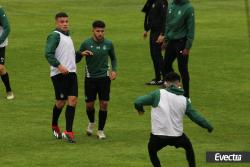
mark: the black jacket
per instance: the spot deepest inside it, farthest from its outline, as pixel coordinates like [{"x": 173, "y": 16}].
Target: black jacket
[{"x": 155, "y": 15}]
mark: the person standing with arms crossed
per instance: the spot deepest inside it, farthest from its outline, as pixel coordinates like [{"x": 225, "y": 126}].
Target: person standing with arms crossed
[
  {"x": 61, "y": 56},
  {"x": 4, "y": 32},
  {"x": 155, "y": 17},
  {"x": 179, "y": 36},
  {"x": 169, "y": 106},
  {"x": 98, "y": 75}
]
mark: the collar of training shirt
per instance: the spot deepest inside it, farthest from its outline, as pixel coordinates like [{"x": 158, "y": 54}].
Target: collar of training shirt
[
  {"x": 65, "y": 33},
  {"x": 96, "y": 41},
  {"x": 175, "y": 90}
]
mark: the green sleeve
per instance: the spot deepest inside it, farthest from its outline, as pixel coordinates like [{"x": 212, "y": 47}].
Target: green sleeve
[
  {"x": 78, "y": 56},
  {"x": 190, "y": 28},
  {"x": 113, "y": 58},
  {"x": 78, "y": 53},
  {"x": 5, "y": 24},
  {"x": 197, "y": 118},
  {"x": 152, "y": 99},
  {"x": 50, "y": 49}
]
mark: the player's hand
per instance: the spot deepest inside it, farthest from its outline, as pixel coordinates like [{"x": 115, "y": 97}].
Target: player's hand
[
  {"x": 112, "y": 75},
  {"x": 87, "y": 53},
  {"x": 63, "y": 69},
  {"x": 210, "y": 130},
  {"x": 185, "y": 52},
  {"x": 140, "y": 112},
  {"x": 160, "y": 39},
  {"x": 145, "y": 34}
]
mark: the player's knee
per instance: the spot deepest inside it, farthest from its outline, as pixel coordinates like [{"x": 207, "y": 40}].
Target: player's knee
[
  {"x": 72, "y": 101},
  {"x": 2, "y": 70},
  {"x": 90, "y": 106},
  {"x": 60, "y": 104},
  {"x": 104, "y": 105}
]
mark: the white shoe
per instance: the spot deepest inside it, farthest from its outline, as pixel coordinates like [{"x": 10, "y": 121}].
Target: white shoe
[
  {"x": 101, "y": 135},
  {"x": 10, "y": 95},
  {"x": 90, "y": 128}
]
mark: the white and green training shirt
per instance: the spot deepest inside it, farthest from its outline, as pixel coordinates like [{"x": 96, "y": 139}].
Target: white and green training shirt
[{"x": 168, "y": 109}]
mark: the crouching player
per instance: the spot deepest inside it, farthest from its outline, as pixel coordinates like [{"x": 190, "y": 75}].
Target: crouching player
[{"x": 168, "y": 109}]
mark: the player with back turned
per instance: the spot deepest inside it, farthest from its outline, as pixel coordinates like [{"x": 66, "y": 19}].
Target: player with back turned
[{"x": 169, "y": 106}]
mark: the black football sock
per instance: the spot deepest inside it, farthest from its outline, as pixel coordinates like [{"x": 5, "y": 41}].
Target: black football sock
[
  {"x": 102, "y": 119},
  {"x": 6, "y": 81},
  {"x": 91, "y": 115},
  {"x": 69, "y": 115},
  {"x": 56, "y": 115}
]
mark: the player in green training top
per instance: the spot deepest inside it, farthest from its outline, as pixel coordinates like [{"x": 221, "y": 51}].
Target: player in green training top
[
  {"x": 4, "y": 32},
  {"x": 98, "y": 75}
]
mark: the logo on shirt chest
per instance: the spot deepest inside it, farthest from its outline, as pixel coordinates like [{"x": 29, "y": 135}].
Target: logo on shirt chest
[{"x": 104, "y": 47}]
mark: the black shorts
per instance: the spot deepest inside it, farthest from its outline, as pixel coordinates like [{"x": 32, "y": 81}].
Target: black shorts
[
  {"x": 65, "y": 85},
  {"x": 158, "y": 142},
  {"x": 2, "y": 55},
  {"x": 94, "y": 86}
]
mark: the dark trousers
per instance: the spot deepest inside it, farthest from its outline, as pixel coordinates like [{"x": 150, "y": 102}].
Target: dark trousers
[
  {"x": 155, "y": 52},
  {"x": 156, "y": 143},
  {"x": 173, "y": 51}
]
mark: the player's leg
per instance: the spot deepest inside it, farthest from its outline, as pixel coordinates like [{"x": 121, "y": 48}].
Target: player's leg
[
  {"x": 169, "y": 58},
  {"x": 71, "y": 88},
  {"x": 183, "y": 67},
  {"x": 90, "y": 97},
  {"x": 70, "y": 112},
  {"x": 154, "y": 145},
  {"x": 186, "y": 144},
  {"x": 155, "y": 52},
  {"x": 59, "y": 104},
  {"x": 5, "y": 75},
  {"x": 103, "y": 112},
  {"x": 103, "y": 94}
]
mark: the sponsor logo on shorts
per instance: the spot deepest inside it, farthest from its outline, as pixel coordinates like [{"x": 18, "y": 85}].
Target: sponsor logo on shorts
[{"x": 61, "y": 95}]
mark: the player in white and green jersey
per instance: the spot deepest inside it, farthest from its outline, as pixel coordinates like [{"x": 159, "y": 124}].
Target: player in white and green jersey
[
  {"x": 60, "y": 54},
  {"x": 169, "y": 106},
  {"x": 98, "y": 75},
  {"x": 4, "y": 32}
]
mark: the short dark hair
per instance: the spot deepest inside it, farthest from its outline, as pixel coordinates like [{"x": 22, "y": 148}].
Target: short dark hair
[
  {"x": 171, "y": 77},
  {"x": 98, "y": 23},
  {"x": 61, "y": 14}
]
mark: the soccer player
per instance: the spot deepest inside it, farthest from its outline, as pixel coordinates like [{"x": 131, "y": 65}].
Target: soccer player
[
  {"x": 60, "y": 53},
  {"x": 98, "y": 75},
  {"x": 179, "y": 34},
  {"x": 155, "y": 17},
  {"x": 168, "y": 109},
  {"x": 4, "y": 32}
]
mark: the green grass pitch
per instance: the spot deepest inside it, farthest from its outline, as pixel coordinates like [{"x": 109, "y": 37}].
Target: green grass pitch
[{"x": 220, "y": 85}]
